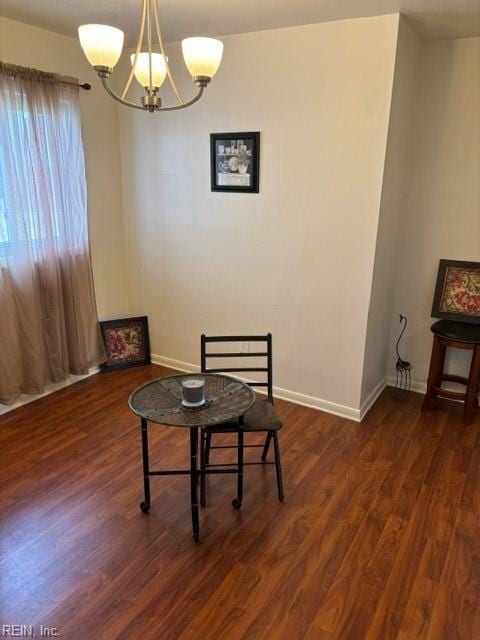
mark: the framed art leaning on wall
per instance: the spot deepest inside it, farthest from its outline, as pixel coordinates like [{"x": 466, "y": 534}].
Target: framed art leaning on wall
[
  {"x": 234, "y": 161},
  {"x": 127, "y": 343},
  {"x": 457, "y": 293}
]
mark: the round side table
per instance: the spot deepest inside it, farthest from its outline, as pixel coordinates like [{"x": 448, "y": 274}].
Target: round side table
[
  {"x": 455, "y": 335},
  {"x": 160, "y": 401}
]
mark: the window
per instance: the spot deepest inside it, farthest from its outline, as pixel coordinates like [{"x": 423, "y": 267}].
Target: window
[{"x": 39, "y": 213}]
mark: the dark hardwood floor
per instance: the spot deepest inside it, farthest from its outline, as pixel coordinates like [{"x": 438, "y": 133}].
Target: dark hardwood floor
[{"x": 379, "y": 536}]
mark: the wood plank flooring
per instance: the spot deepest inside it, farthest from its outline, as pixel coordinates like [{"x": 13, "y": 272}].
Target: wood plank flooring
[{"x": 379, "y": 537}]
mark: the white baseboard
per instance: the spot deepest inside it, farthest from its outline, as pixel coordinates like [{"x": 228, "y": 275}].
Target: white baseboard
[
  {"x": 341, "y": 410},
  {"x": 372, "y": 397},
  {"x": 344, "y": 411},
  {"x": 171, "y": 363},
  {"x": 50, "y": 388}
]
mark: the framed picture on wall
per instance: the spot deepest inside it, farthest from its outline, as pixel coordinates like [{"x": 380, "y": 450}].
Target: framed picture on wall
[
  {"x": 234, "y": 161},
  {"x": 457, "y": 293},
  {"x": 127, "y": 343}
]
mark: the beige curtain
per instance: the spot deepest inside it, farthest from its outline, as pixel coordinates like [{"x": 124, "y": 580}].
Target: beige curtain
[{"x": 48, "y": 319}]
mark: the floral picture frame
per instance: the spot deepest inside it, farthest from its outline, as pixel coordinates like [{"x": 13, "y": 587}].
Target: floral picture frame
[
  {"x": 457, "y": 292},
  {"x": 127, "y": 343}
]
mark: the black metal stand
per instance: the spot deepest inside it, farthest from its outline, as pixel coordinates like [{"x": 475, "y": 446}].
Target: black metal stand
[{"x": 404, "y": 370}]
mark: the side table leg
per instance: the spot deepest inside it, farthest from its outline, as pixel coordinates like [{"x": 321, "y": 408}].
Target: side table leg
[
  {"x": 472, "y": 389},
  {"x": 145, "y": 505},
  {"x": 193, "y": 482},
  {"x": 437, "y": 363}
]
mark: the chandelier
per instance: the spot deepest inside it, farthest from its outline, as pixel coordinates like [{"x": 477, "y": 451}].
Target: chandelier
[{"x": 103, "y": 46}]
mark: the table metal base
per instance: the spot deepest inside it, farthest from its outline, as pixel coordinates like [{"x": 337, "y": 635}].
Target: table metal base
[{"x": 195, "y": 473}]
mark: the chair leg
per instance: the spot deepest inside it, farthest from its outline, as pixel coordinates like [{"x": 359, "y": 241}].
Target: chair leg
[
  {"x": 237, "y": 502},
  {"x": 278, "y": 467},
  {"x": 207, "y": 448},
  {"x": 266, "y": 446},
  {"x": 203, "y": 479}
]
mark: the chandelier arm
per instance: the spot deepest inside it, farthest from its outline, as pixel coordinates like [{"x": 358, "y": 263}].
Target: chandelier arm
[
  {"x": 175, "y": 107},
  {"x": 116, "y": 97},
  {"x": 137, "y": 50},
  {"x": 156, "y": 14},
  {"x": 127, "y": 103}
]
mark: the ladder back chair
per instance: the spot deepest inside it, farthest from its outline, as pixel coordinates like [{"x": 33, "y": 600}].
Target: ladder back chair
[{"x": 261, "y": 417}]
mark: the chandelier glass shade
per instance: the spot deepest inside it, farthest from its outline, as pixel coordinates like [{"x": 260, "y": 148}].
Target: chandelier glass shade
[
  {"x": 103, "y": 46},
  {"x": 142, "y": 69}
]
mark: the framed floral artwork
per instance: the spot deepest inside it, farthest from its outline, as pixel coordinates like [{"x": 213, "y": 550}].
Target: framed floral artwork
[
  {"x": 126, "y": 342},
  {"x": 457, "y": 293}
]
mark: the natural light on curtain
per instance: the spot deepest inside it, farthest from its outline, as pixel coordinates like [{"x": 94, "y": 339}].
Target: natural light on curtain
[{"x": 48, "y": 323}]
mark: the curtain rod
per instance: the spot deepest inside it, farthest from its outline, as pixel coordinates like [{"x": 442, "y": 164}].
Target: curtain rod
[
  {"x": 73, "y": 82},
  {"x": 85, "y": 85}
]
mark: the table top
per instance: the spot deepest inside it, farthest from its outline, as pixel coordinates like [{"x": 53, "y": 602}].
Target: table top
[
  {"x": 457, "y": 331},
  {"x": 161, "y": 400}
]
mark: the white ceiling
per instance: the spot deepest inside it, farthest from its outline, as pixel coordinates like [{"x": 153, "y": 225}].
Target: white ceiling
[{"x": 182, "y": 18}]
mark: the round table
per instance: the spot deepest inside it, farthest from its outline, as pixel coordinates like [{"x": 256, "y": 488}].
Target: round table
[{"x": 160, "y": 401}]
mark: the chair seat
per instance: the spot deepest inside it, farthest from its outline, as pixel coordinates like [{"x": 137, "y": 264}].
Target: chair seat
[{"x": 260, "y": 417}]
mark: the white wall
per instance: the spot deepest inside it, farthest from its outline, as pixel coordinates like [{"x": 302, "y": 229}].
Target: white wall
[
  {"x": 28, "y": 46},
  {"x": 441, "y": 204},
  {"x": 297, "y": 259},
  {"x": 377, "y": 351}
]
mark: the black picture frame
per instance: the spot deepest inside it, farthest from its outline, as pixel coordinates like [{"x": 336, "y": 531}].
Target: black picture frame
[
  {"x": 457, "y": 291},
  {"x": 238, "y": 170},
  {"x": 128, "y": 335}
]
